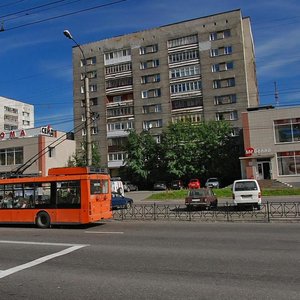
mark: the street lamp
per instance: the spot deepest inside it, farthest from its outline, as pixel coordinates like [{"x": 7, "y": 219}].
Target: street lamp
[{"x": 87, "y": 103}]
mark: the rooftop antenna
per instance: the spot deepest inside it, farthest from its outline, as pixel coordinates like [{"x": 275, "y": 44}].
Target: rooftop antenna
[{"x": 276, "y": 94}]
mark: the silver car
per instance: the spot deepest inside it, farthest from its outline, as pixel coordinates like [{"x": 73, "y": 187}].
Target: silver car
[{"x": 213, "y": 183}]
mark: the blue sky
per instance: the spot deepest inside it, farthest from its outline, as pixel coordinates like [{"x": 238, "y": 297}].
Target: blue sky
[{"x": 36, "y": 59}]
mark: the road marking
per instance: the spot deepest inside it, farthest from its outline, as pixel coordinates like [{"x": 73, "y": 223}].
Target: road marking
[
  {"x": 105, "y": 232},
  {"x": 72, "y": 247}
]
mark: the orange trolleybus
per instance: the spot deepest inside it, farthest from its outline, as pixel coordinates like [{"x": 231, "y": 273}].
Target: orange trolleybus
[{"x": 76, "y": 195}]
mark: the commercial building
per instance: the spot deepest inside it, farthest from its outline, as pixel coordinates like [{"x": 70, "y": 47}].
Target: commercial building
[
  {"x": 199, "y": 69},
  {"x": 42, "y": 148},
  {"x": 272, "y": 144},
  {"x": 15, "y": 114}
]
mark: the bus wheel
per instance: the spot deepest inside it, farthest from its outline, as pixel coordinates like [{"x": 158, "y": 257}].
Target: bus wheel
[{"x": 42, "y": 220}]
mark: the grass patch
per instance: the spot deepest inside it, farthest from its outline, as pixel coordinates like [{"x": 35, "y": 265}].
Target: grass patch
[{"x": 222, "y": 193}]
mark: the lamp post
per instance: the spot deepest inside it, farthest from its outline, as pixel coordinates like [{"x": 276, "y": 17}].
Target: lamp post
[{"x": 87, "y": 103}]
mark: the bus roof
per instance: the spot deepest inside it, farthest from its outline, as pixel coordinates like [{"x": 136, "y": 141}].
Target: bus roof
[{"x": 76, "y": 171}]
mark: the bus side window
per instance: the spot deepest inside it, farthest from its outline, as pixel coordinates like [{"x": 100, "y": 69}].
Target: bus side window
[
  {"x": 68, "y": 194},
  {"x": 105, "y": 185}
]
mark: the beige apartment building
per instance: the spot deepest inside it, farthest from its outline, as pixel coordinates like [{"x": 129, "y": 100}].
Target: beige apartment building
[
  {"x": 272, "y": 144},
  {"x": 42, "y": 147},
  {"x": 199, "y": 69},
  {"x": 15, "y": 114}
]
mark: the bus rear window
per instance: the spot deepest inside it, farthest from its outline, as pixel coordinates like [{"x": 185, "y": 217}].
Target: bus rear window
[{"x": 99, "y": 187}]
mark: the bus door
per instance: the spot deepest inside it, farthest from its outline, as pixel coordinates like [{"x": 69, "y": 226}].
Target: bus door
[
  {"x": 68, "y": 201},
  {"x": 100, "y": 199}
]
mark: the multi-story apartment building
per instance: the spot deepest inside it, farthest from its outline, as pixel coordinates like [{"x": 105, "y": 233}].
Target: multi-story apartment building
[
  {"x": 200, "y": 69},
  {"x": 15, "y": 114}
]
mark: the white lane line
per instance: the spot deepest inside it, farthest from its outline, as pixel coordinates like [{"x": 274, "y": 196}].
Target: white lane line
[
  {"x": 105, "y": 232},
  {"x": 41, "y": 259},
  {"x": 40, "y": 243}
]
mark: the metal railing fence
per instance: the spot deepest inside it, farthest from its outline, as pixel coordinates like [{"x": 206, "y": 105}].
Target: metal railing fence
[{"x": 269, "y": 212}]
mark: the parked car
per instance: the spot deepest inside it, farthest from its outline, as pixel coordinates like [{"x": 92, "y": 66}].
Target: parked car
[
  {"x": 203, "y": 197},
  {"x": 194, "y": 184},
  {"x": 128, "y": 186},
  {"x": 246, "y": 192},
  {"x": 212, "y": 183},
  {"x": 119, "y": 201},
  {"x": 160, "y": 186},
  {"x": 176, "y": 185}
]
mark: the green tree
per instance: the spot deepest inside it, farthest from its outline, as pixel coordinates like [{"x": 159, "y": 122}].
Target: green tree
[
  {"x": 197, "y": 150},
  {"x": 142, "y": 156},
  {"x": 186, "y": 151},
  {"x": 79, "y": 159}
]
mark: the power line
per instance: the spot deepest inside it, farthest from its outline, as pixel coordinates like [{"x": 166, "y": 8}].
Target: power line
[
  {"x": 13, "y": 3},
  {"x": 64, "y": 15},
  {"x": 40, "y": 10},
  {"x": 32, "y": 8}
]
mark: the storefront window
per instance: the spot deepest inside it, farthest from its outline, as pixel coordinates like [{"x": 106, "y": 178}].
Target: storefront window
[
  {"x": 288, "y": 163},
  {"x": 287, "y": 130}
]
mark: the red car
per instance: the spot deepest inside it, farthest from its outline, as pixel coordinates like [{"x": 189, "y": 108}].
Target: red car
[
  {"x": 194, "y": 184},
  {"x": 203, "y": 197}
]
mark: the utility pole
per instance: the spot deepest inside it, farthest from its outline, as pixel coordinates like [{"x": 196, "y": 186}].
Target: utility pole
[
  {"x": 276, "y": 94},
  {"x": 87, "y": 103}
]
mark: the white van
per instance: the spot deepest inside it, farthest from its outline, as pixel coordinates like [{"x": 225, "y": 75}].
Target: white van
[
  {"x": 117, "y": 186},
  {"x": 246, "y": 192}
]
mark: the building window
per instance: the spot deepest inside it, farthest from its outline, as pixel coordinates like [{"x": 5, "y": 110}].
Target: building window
[
  {"x": 186, "y": 40},
  {"x": 118, "y": 156},
  {"x": 118, "y": 68},
  {"x": 94, "y": 130},
  {"x": 11, "y": 156},
  {"x": 120, "y": 111},
  {"x": 90, "y": 75},
  {"x": 287, "y": 130},
  {"x": 225, "y": 99},
  {"x": 89, "y": 61},
  {"x": 218, "y": 35},
  {"x": 92, "y": 88},
  {"x": 151, "y": 93},
  {"x": 119, "y": 98},
  {"x": 224, "y": 66},
  {"x": 288, "y": 163},
  {"x": 147, "y": 125},
  {"x": 10, "y": 109},
  {"x": 10, "y": 127},
  {"x": 194, "y": 118},
  {"x": 183, "y": 56},
  {"x": 223, "y": 83},
  {"x": 119, "y": 82},
  {"x": 184, "y": 71},
  {"x": 227, "y": 116},
  {"x": 25, "y": 114},
  {"x": 148, "y": 49},
  {"x": 235, "y": 131},
  {"x": 119, "y": 126},
  {"x": 117, "y": 54},
  {"x": 184, "y": 87},
  {"x": 154, "y": 63},
  {"x": 187, "y": 103},
  {"x": 221, "y": 51},
  {"x": 150, "y": 78},
  {"x": 51, "y": 151},
  {"x": 149, "y": 109},
  {"x": 26, "y": 123},
  {"x": 93, "y": 102}
]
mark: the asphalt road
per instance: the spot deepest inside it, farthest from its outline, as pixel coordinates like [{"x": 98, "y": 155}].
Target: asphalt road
[{"x": 151, "y": 260}]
